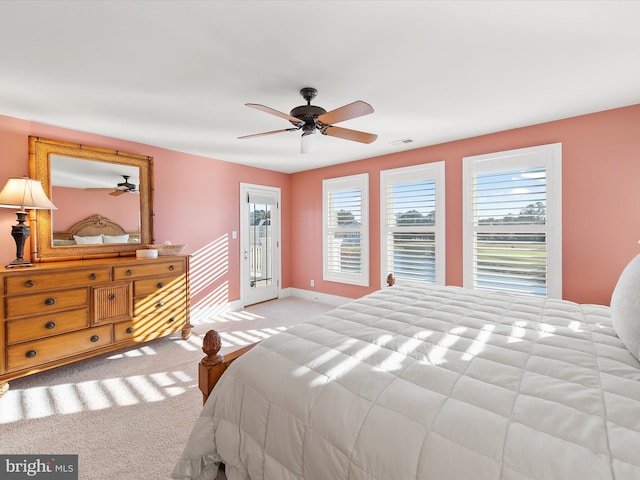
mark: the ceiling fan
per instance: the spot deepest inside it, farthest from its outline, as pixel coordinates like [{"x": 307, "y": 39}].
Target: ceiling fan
[
  {"x": 120, "y": 188},
  {"x": 310, "y": 118},
  {"x": 124, "y": 187}
]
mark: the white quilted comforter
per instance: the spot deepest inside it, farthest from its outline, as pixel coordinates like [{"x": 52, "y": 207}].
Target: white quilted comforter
[{"x": 428, "y": 383}]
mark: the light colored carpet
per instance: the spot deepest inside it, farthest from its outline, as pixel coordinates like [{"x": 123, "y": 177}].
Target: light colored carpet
[{"x": 127, "y": 415}]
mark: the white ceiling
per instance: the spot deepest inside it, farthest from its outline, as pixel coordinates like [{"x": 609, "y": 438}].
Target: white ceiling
[
  {"x": 80, "y": 173},
  {"x": 176, "y": 74}
]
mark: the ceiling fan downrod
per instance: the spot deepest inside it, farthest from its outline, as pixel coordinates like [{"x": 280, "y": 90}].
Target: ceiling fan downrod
[{"x": 308, "y": 93}]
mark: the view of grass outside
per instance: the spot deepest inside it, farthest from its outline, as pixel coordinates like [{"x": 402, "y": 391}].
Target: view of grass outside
[
  {"x": 516, "y": 263},
  {"x": 413, "y": 256}
]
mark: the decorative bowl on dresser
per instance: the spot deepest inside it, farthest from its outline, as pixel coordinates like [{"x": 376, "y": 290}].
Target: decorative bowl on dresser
[{"x": 57, "y": 313}]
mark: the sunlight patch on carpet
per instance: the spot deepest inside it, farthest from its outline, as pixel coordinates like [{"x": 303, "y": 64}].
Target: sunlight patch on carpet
[
  {"x": 245, "y": 337},
  {"x": 70, "y": 398},
  {"x": 138, "y": 352}
]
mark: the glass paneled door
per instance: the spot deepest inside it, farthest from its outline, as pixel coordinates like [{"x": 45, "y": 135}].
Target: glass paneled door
[{"x": 260, "y": 238}]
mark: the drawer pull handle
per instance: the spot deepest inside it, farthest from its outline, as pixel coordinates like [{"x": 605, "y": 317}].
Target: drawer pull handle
[
  {"x": 129, "y": 272},
  {"x": 29, "y": 283},
  {"x": 129, "y": 330},
  {"x": 112, "y": 296},
  {"x": 160, "y": 304},
  {"x": 171, "y": 268},
  {"x": 30, "y": 354},
  {"x": 50, "y": 301},
  {"x": 172, "y": 319},
  {"x": 50, "y": 325},
  {"x": 94, "y": 338},
  {"x": 160, "y": 285},
  {"x": 93, "y": 276}
]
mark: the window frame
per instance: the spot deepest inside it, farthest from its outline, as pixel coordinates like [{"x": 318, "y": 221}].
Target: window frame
[
  {"x": 332, "y": 185},
  {"x": 433, "y": 171},
  {"x": 547, "y": 156}
]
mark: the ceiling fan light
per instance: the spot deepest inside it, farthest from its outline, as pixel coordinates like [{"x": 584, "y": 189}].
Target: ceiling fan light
[{"x": 308, "y": 142}]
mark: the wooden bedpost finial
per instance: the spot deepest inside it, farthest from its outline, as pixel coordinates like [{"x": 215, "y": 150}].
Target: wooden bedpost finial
[
  {"x": 211, "y": 345},
  {"x": 391, "y": 280}
]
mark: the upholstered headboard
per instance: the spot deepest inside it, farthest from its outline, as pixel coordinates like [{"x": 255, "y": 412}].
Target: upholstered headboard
[{"x": 95, "y": 226}]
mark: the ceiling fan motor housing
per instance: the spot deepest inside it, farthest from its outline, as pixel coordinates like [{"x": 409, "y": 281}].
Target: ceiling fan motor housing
[
  {"x": 308, "y": 114},
  {"x": 126, "y": 185}
]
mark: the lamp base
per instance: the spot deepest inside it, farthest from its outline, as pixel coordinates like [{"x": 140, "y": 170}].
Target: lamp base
[
  {"x": 19, "y": 262},
  {"x": 20, "y": 233}
]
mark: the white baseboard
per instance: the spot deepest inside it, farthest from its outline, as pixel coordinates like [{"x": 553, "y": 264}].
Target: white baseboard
[
  {"x": 312, "y": 296},
  {"x": 238, "y": 305}
]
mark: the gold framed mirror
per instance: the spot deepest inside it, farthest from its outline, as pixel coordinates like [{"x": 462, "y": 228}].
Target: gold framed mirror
[{"x": 104, "y": 200}]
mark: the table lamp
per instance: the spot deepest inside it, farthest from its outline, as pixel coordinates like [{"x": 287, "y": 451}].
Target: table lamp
[{"x": 23, "y": 193}]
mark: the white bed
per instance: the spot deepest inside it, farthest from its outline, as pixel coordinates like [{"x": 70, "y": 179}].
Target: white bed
[
  {"x": 94, "y": 230},
  {"x": 428, "y": 382}
]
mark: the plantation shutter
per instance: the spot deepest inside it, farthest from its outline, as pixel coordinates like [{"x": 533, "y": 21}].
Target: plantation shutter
[
  {"x": 411, "y": 231},
  {"x": 412, "y": 223},
  {"x": 344, "y": 225},
  {"x": 515, "y": 239},
  {"x": 510, "y": 231},
  {"x": 346, "y": 230}
]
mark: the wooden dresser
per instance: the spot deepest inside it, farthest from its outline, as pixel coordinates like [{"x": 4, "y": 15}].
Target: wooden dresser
[{"x": 62, "y": 312}]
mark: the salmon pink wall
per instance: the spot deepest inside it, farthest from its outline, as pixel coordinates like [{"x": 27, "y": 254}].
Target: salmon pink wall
[
  {"x": 75, "y": 205},
  {"x": 601, "y": 202},
  {"x": 196, "y": 202}
]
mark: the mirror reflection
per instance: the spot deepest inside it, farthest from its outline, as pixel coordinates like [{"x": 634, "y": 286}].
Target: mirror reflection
[{"x": 81, "y": 188}]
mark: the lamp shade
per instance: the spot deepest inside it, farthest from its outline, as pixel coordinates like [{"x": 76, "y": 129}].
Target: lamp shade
[{"x": 25, "y": 193}]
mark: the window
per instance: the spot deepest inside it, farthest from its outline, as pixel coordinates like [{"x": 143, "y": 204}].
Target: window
[
  {"x": 345, "y": 209},
  {"x": 412, "y": 229},
  {"x": 512, "y": 220}
]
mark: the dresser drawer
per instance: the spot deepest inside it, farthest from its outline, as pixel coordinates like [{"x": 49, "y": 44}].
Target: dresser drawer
[
  {"x": 35, "y": 353},
  {"x": 112, "y": 303},
  {"x": 46, "y": 325},
  {"x": 46, "y": 302},
  {"x": 143, "y": 269},
  {"x": 124, "y": 331},
  {"x": 49, "y": 280},
  {"x": 153, "y": 285},
  {"x": 148, "y": 328},
  {"x": 159, "y": 302}
]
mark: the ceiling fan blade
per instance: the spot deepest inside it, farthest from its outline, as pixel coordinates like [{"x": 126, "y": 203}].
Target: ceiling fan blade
[
  {"x": 347, "y": 112},
  {"x": 269, "y": 133},
  {"x": 347, "y": 134},
  {"x": 270, "y": 110},
  {"x": 115, "y": 193}
]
